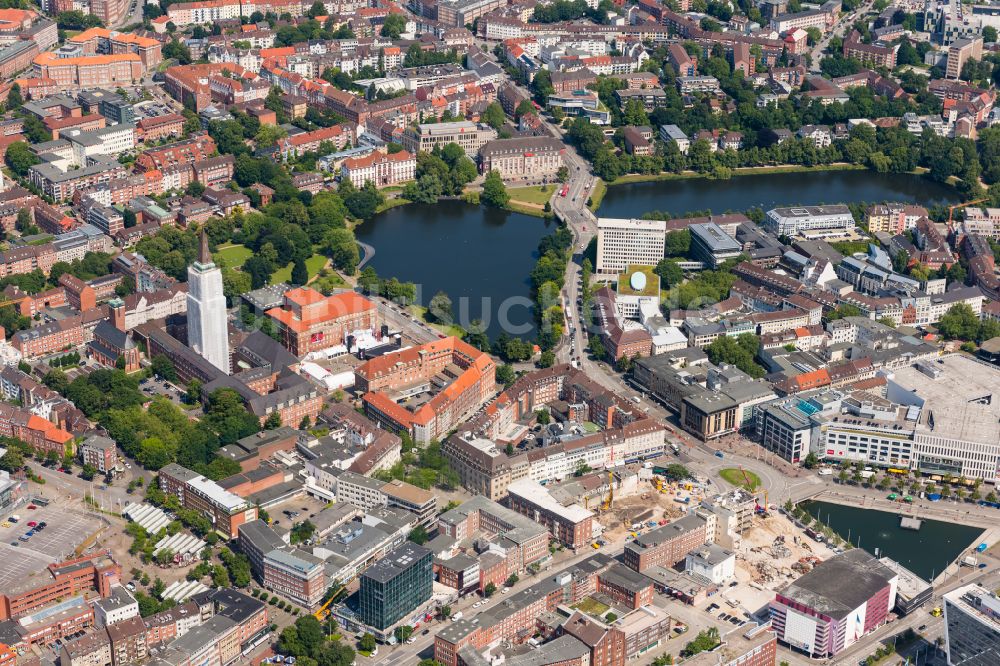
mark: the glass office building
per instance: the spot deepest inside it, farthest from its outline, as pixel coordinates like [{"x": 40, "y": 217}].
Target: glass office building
[
  {"x": 972, "y": 627},
  {"x": 396, "y": 585}
]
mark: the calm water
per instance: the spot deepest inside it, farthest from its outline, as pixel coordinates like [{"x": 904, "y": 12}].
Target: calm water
[
  {"x": 480, "y": 257},
  {"x": 770, "y": 190},
  {"x": 925, "y": 552}
]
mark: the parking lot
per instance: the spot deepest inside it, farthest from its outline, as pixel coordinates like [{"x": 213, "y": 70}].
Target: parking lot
[{"x": 65, "y": 529}]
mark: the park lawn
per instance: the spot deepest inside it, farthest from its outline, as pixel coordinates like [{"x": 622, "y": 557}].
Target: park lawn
[
  {"x": 597, "y": 195},
  {"x": 525, "y": 209},
  {"x": 531, "y": 195},
  {"x": 232, "y": 254},
  {"x": 735, "y": 477},
  {"x": 314, "y": 264}
]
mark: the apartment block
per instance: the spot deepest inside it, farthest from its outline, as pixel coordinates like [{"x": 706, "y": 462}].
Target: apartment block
[
  {"x": 225, "y": 510},
  {"x": 666, "y": 546}
]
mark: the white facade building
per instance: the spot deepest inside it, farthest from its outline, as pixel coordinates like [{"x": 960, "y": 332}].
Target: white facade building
[
  {"x": 792, "y": 221},
  {"x": 713, "y": 562},
  {"x": 625, "y": 242},
  {"x": 208, "y": 333}
]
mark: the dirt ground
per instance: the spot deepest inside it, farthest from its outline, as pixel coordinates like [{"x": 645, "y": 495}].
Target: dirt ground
[
  {"x": 774, "y": 553},
  {"x": 644, "y": 505}
]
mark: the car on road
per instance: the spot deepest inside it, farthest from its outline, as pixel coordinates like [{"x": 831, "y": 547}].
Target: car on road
[
  {"x": 32, "y": 523},
  {"x": 14, "y": 543},
  {"x": 921, "y": 627}
]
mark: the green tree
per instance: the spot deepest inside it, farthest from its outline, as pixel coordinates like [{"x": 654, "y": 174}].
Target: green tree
[
  {"x": 14, "y": 98},
  {"x": 394, "y": 26},
  {"x": 163, "y": 367},
  {"x": 441, "y": 308},
  {"x": 88, "y": 472},
  {"x": 367, "y": 642},
  {"x": 490, "y": 589},
  {"x": 403, "y": 632},
  {"x": 505, "y": 374},
  {"x": 418, "y": 535},
  {"x": 494, "y": 191},
  {"x": 20, "y": 158},
  {"x": 810, "y": 460},
  {"x": 302, "y": 532},
  {"x": 960, "y": 322},
  {"x": 493, "y": 115},
  {"x": 300, "y": 274}
]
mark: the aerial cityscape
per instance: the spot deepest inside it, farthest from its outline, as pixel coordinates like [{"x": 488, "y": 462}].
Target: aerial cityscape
[{"x": 499, "y": 333}]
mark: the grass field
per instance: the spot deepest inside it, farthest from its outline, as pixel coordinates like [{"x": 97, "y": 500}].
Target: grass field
[
  {"x": 391, "y": 203},
  {"x": 532, "y": 195},
  {"x": 232, "y": 255},
  {"x": 736, "y": 478},
  {"x": 313, "y": 265},
  {"x": 597, "y": 195}
]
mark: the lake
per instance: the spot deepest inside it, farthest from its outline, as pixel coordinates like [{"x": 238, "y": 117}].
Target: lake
[
  {"x": 769, "y": 190},
  {"x": 925, "y": 552},
  {"x": 481, "y": 257}
]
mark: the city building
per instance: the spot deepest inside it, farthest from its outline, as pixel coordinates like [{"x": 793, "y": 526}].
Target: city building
[
  {"x": 527, "y": 157},
  {"x": 625, "y": 242},
  {"x": 468, "y": 135},
  {"x": 295, "y": 574},
  {"x": 380, "y": 169},
  {"x": 93, "y": 649},
  {"x": 463, "y": 375},
  {"x": 815, "y": 221},
  {"x": 668, "y": 545},
  {"x": 841, "y": 600},
  {"x": 225, "y": 510},
  {"x": 117, "y": 607},
  {"x": 208, "y": 332},
  {"x": 971, "y": 626},
  {"x": 308, "y": 321},
  {"x": 570, "y": 524},
  {"x": 100, "y": 574},
  {"x": 959, "y": 52},
  {"x": 713, "y": 246},
  {"x": 395, "y": 586},
  {"x": 99, "y": 452}
]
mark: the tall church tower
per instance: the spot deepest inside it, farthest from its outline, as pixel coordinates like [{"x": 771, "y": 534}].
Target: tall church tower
[{"x": 208, "y": 333}]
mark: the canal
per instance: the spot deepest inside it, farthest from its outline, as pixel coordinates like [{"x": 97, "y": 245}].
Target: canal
[
  {"x": 481, "y": 257},
  {"x": 769, "y": 190},
  {"x": 925, "y": 552}
]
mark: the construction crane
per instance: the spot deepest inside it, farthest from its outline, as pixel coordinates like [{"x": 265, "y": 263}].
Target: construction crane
[
  {"x": 951, "y": 209},
  {"x": 323, "y": 610},
  {"x": 610, "y": 499}
]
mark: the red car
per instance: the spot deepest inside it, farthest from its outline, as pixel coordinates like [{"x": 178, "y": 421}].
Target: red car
[
  {"x": 32, "y": 506},
  {"x": 32, "y": 523}
]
